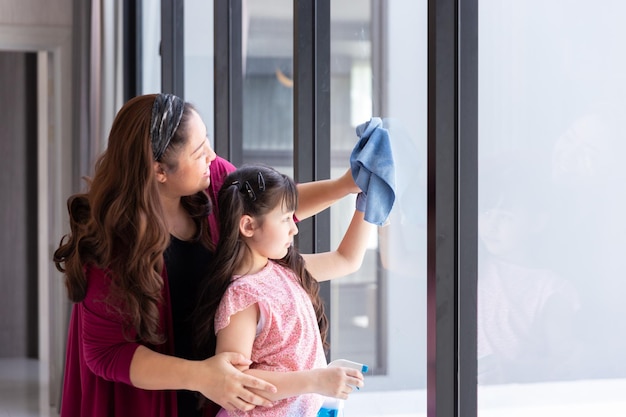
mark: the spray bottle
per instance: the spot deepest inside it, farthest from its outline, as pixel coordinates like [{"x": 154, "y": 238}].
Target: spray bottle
[{"x": 333, "y": 407}]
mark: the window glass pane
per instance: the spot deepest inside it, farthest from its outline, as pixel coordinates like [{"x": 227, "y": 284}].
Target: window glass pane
[
  {"x": 151, "y": 40},
  {"x": 199, "y": 59},
  {"x": 268, "y": 83},
  {"x": 378, "y": 68},
  {"x": 356, "y": 315},
  {"x": 551, "y": 328}
]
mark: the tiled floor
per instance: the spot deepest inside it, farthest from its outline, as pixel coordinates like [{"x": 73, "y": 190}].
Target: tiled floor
[{"x": 21, "y": 394}]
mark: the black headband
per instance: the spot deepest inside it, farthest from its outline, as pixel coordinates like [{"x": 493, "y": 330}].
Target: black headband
[{"x": 167, "y": 111}]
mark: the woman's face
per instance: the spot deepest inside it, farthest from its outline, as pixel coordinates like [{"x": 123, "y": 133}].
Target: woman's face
[{"x": 193, "y": 160}]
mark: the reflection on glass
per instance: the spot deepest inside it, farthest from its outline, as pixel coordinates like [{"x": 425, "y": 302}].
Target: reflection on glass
[
  {"x": 552, "y": 230},
  {"x": 525, "y": 307},
  {"x": 268, "y": 83}
]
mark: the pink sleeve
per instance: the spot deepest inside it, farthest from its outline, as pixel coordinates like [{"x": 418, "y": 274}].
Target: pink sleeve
[
  {"x": 219, "y": 169},
  {"x": 238, "y": 297},
  {"x": 107, "y": 351}
]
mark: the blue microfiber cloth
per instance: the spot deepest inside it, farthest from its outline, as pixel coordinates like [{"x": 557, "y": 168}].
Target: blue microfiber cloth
[{"x": 372, "y": 166}]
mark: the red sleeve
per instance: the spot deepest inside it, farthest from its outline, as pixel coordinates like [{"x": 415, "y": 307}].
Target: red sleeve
[
  {"x": 107, "y": 352},
  {"x": 219, "y": 169}
]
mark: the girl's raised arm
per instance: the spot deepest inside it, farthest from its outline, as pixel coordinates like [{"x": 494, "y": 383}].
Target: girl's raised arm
[
  {"x": 348, "y": 257},
  {"x": 316, "y": 196}
]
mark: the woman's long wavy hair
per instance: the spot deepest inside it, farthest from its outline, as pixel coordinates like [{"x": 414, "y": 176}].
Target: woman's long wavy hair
[
  {"x": 241, "y": 195},
  {"x": 119, "y": 225}
]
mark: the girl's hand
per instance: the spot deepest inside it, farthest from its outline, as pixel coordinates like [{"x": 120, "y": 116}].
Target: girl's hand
[
  {"x": 226, "y": 385},
  {"x": 347, "y": 182},
  {"x": 337, "y": 382}
]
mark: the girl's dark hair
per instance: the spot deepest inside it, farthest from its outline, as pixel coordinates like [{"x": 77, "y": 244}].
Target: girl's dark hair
[
  {"x": 252, "y": 190},
  {"x": 119, "y": 225}
]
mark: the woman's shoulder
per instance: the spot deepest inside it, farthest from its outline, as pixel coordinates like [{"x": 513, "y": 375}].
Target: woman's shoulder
[{"x": 220, "y": 168}]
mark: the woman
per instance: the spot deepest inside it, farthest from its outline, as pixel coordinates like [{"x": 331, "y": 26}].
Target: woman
[{"x": 138, "y": 245}]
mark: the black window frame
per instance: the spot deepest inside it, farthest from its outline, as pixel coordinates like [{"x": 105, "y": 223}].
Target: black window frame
[{"x": 452, "y": 207}]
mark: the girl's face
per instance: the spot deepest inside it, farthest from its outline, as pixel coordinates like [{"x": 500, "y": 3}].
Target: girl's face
[
  {"x": 193, "y": 161},
  {"x": 502, "y": 231},
  {"x": 509, "y": 233},
  {"x": 273, "y": 237}
]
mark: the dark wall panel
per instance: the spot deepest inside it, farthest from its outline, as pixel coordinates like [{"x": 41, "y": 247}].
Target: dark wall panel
[{"x": 18, "y": 221}]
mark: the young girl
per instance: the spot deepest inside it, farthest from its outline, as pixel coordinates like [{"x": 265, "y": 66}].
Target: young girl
[{"x": 261, "y": 298}]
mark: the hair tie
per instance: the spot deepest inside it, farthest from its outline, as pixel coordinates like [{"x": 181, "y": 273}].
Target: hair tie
[
  {"x": 167, "y": 112},
  {"x": 247, "y": 189}
]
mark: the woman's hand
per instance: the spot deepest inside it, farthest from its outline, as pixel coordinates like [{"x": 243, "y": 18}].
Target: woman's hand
[
  {"x": 337, "y": 382},
  {"x": 224, "y": 383}
]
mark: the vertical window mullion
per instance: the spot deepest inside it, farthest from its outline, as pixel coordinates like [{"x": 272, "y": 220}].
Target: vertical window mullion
[
  {"x": 312, "y": 109},
  {"x": 452, "y": 210},
  {"x": 132, "y": 48},
  {"x": 311, "y": 55},
  {"x": 468, "y": 205},
  {"x": 228, "y": 82},
  {"x": 172, "y": 47}
]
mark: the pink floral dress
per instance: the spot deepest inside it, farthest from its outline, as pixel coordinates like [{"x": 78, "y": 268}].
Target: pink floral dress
[{"x": 288, "y": 337}]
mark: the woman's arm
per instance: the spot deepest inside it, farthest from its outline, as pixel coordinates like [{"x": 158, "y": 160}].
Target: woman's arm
[
  {"x": 239, "y": 336},
  {"x": 316, "y": 196},
  {"x": 109, "y": 355},
  {"x": 217, "y": 378},
  {"x": 348, "y": 257}
]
